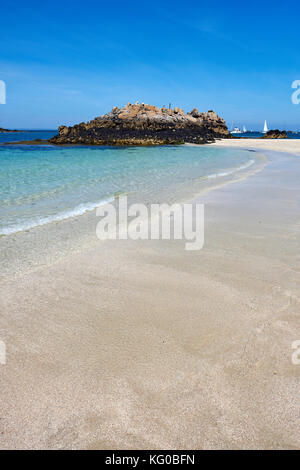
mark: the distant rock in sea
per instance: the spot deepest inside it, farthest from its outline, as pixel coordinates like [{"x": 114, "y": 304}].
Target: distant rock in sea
[
  {"x": 275, "y": 134},
  {"x": 7, "y": 130},
  {"x": 143, "y": 124}
]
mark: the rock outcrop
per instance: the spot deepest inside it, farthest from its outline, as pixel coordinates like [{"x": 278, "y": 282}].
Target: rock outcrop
[
  {"x": 7, "y": 130},
  {"x": 143, "y": 124},
  {"x": 275, "y": 134}
]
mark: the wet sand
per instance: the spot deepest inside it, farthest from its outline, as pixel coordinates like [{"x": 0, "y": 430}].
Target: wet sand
[{"x": 143, "y": 345}]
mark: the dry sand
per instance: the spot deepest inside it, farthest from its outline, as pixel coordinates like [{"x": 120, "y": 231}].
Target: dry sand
[
  {"x": 279, "y": 145},
  {"x": 143, "y": 345}
]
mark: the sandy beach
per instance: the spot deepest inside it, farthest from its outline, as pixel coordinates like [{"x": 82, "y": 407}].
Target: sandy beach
[
  {"x": 143, "y": 345},
  {"x": 278, "y": 145}
]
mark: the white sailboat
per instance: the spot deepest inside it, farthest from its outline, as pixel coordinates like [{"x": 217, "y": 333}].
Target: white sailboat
[
  {"x": 244, "y": 130},
  {"x": 265, "y": 128}
]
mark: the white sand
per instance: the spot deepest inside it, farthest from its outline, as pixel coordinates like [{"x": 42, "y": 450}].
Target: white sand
[
  {"x": 142, "y": 344},
  {"x": 279, "y": 145}
]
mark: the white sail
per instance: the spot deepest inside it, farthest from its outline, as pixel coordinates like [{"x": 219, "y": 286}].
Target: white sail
[
  {"x": 244, "y": 129},
  {"x": 265, "y": 128}
]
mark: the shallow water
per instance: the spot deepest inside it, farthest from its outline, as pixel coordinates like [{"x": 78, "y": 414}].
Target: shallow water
[{"x": 42, "y": 184}]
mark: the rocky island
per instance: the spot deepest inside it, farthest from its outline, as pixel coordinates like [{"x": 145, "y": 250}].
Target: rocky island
[
  {"x": 275, "y": 134},
  {"x": 143, "y": 124},
  {"x": 7, "y": 130}
]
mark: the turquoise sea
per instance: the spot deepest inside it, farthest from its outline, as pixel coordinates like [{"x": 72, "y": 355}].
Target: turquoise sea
[{"x": 40, "y": 184}]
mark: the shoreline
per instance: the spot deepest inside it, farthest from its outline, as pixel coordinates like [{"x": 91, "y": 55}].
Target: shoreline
[
  {"x": 281, "y": 145},
  {"x": 78, "y": 225},
  {"x": 142, "y": 345}
]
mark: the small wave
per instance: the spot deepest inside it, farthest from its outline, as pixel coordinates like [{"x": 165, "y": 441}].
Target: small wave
[
  {"x": 78, "y": 210},
  {"x": 229, "y": 172}
]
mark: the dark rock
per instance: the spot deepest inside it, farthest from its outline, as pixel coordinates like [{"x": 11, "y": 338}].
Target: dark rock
[
  {"x": 275, "y": 134},
  {"x": 7, "y": 130},
  {"x": 29, "y": 142},
  {"x": 143, "y": 124}
]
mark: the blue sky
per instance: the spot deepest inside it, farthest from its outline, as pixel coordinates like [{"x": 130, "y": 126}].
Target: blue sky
[{"x": 67, "y": 62}]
